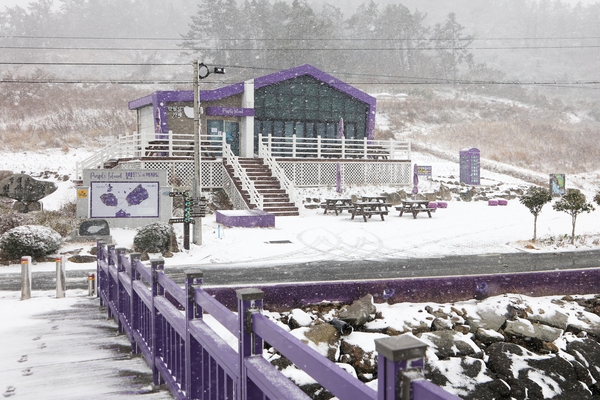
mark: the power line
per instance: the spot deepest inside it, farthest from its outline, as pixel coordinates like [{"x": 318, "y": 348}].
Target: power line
[
  {"x": 291, "y": 39},
  {"x": 298, "y": 48},
  {"x": 424, "y": 81}
]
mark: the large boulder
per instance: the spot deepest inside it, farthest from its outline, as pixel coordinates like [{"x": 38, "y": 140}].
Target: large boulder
[{"x": 24, "y": 188}]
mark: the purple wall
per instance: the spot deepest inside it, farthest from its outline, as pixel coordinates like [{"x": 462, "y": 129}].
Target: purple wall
[{"x": 438, "y": 289}]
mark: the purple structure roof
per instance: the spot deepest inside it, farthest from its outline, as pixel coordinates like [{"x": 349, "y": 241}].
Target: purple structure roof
[{"x": 237, "y": 88}]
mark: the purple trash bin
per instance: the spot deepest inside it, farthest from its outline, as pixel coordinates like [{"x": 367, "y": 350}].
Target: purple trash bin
[{"x": 492, "y": 202}]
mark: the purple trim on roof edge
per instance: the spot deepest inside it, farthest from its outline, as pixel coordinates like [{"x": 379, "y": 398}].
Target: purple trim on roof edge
[{"x": 221, "y": 93}]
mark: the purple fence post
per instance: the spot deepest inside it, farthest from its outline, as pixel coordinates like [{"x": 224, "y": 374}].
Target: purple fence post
[
  {"x": 110, "y": 248},
  {"x": 193, "y": 353},
  {"x": 156, "y": 265},
  {"x": 249, "y": 301},
  {"x": 120, "y": 289},
  {"x": 134, "y": 301},
  {"x": 99, "y": 281},
  {"x": 400, "y": 361}
]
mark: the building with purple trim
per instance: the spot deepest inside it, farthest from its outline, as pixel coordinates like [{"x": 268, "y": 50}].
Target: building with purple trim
[{"x": 301, "y": 101}]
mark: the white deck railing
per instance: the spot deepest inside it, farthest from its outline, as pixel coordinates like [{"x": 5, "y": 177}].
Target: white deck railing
[
  {"x": 279, "y": 173},
  {"x": 299, "y": 147},
  {"x": 240, "y": 173}
]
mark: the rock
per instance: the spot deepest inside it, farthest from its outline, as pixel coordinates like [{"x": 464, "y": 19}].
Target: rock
[
  {"x": 587, "y": 352},
  {"x": 445, "y": 193},
  {"x": 25, "y": 207},
  {"x": 364, "y": 362},
  {"x": 324, "y": 333},
  {"x": 523, "y": 327},
  {"x": 359, "y": 312},
  {"x": 488, "y": 336},
  {"x": 94, "y": 227},
  {"x": 81, "y": 258},
  {"x": 22, "y": 187},
  {"x": 449, "y": 343},
  {"x": 440, "y": 324},
  {"x": 486, "y": 320}
]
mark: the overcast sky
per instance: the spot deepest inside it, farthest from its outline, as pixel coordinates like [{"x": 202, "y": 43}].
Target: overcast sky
[{"x": 23, "y": 3}]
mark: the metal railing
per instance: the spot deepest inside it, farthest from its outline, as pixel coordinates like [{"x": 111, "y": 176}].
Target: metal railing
[
  {"x": 279, "y": 173},
  {"x": 300, "y": 147},
  {"x": 165, "y": 323},
  {"x": 239, "y": 172}
]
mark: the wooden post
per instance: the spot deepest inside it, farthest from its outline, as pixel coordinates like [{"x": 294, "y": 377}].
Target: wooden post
[{"x": 61, "y": 279}]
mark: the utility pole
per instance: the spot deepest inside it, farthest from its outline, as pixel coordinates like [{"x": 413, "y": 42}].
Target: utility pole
[
  {"x": 201, "y": 71},
  {"x": 197, "y": 239}
]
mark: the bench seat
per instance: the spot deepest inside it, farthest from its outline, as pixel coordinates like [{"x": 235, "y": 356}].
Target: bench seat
[{"x": 415, "y": 211}]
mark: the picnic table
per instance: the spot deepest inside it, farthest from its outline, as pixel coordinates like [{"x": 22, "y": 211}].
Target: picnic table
[
  {"x": 369, "y": 208},
  {"x": 380, "y": 199},
  {"x": 338, "y": 205},
  {"x": 415, "y": 207}
]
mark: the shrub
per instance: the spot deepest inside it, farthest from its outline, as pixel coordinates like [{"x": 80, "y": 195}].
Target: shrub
[
  {"x": 153, "y": 238},
  {"x": 11, "y": 220},
  {"x": 30, "y": 240}
]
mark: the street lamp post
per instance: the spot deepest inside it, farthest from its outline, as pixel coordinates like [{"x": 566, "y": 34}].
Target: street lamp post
[{"x": 201, "y": 71}]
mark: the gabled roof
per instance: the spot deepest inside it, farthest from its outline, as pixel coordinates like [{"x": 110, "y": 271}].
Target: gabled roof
[{"x": 277, "y": 77}]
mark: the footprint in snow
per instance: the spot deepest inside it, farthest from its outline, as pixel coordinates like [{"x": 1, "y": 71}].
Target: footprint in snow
[
  {"x": 23, "y": 358},
  {"x": 37, "y": 338},
  {"x": 10, "y": 391},
  {"x": 55, "y": 327},
  {"x": 27, "y": 372}
]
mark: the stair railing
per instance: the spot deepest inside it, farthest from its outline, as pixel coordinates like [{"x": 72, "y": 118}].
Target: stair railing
[
  {"x": 279, "y": 173},
  {"x": 255, "y": 197}
]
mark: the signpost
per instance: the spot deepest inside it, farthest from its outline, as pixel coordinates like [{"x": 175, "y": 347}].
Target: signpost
[
  {"x": 201, "y": 71},
  {"x": 193, "y": 207}
]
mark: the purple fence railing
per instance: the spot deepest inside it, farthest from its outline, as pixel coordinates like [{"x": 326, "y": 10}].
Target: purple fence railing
[{"x": 164, "y": 322}]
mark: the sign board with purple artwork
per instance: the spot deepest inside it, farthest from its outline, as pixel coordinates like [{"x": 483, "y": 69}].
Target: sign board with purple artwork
[
  {"x": 124, "y": 199},
  {"x": 129, "y": 198}
]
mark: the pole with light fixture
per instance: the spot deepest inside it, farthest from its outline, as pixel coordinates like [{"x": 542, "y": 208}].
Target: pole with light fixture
[{"x": 201, "y": 71}]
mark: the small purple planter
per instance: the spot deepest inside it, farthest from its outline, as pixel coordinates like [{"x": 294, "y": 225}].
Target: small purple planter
[
  {"x": 246, "y": 218},
  {"x": 442, "y": 204},
  {"x": 432, "y": 204},
  {"x": 502, "y": 202},
  {"x": 492, "y": 202}
]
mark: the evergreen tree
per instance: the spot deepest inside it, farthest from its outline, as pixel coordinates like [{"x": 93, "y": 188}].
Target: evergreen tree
[
  {"x": 452, "y": 47},
  {"x": 534, "y": 199},
  {"x": 573, "y": 202}
]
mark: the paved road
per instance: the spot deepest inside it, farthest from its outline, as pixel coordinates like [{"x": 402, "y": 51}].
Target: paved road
[{"x": 215, "y": 274}]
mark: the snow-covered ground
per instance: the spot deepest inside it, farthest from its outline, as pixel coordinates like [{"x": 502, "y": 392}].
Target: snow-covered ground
[{"x": 462, "y": 228}]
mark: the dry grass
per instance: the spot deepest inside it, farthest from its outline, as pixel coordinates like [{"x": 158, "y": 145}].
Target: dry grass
[{"x": 535, "y": 135}]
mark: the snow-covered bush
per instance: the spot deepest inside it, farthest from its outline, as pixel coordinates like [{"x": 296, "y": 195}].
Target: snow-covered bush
[
  {"x": 153, "y": 238},
  {"x": 30, "y": 240}
]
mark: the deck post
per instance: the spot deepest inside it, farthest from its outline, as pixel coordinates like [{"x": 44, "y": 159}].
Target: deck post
[
  {"x": 25, "y": 277},
  {"x": 157, "y": 264},
  {"x": 400, "y": 361},
  {"x": 249, "y": 301},
  {"x": 193, "y": 352},
  {"x": 135, "y": 302},
  {"x": 120, "y": 288}
]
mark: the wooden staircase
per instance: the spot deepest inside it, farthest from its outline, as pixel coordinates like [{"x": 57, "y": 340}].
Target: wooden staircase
[{"x": 275, "y": 199}]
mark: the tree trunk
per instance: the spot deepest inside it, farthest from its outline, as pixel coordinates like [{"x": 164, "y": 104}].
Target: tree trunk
[
  {"x": 534, "y": 228},
  {"x": 574, "y": 219}
]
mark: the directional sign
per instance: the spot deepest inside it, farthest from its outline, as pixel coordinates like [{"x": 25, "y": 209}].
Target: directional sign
[{"x": 180, "y": 220}]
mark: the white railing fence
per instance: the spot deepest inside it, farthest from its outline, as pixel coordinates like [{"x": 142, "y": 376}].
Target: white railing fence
[
  {"x": 279, "y": 173},
  {"x": 247, "y": 185},
  {"x": 300, "y": 147}
]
